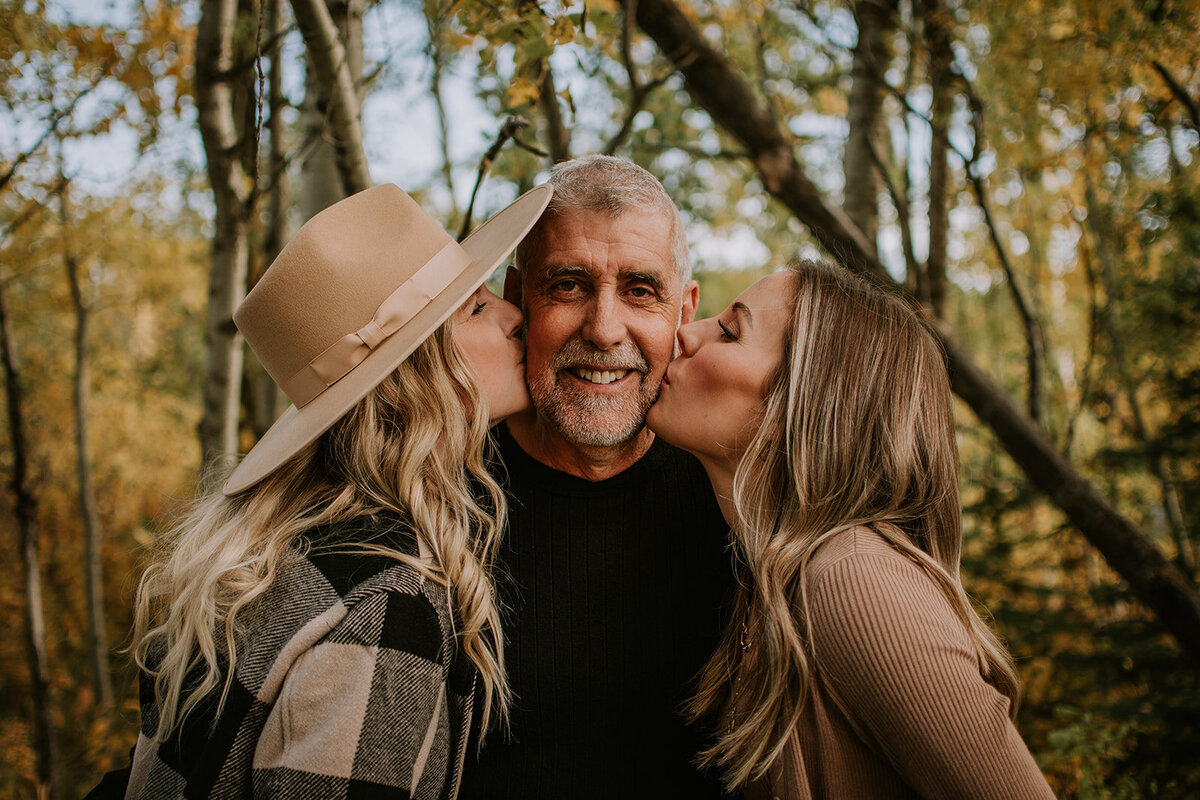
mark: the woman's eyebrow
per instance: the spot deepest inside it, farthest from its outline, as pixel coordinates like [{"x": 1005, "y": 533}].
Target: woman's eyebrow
[{"x": 743, "y": 309}]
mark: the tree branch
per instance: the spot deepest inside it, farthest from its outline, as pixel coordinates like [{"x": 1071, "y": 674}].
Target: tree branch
[
  {"x": 508, "y": 130},
  {"x": 557, "y": 133},
  {"x": 638, "y": 92},
  {"x": 1180, "y": 93},
  {"x": 31, "y": 209},
  {"x": 1030, "y": 323},
  {"x": 55, "y": 118},
  {"x": 904, "y": 221},
  {"x": 729, "y": 101}
]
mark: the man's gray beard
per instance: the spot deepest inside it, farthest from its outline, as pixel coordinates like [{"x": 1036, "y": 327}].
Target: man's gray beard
[{"x": 586, "y": 420}]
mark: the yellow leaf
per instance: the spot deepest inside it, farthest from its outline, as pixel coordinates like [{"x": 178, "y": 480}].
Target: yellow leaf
[
  {"x": 520, "y": 92},
  {"x": 831, "y": 101},
  {"x": 561, "y": 32}
]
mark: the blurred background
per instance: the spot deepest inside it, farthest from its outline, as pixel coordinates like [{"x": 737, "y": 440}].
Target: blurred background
[{"x": 1027, "y": 170}]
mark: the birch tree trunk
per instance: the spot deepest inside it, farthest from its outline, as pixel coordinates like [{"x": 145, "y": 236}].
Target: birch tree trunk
[
  {"x": 321, "y": 184},
  {"x": 97, "y": 634},
  {"x": 264, "y": 403},
  {"x": 337, "y": 90},
  {"x": 229, "y": 258},
  {"x": 1152, "y": 578},
  {"x": 25, "y": 506},
  {"x": 876, "y": 21},
  {"x": 438, "y": 57}
]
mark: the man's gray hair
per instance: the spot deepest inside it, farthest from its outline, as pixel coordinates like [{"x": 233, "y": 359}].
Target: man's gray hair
[{"x": 613, "y": 185}]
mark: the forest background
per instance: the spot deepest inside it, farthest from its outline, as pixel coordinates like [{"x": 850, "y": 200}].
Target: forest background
[{"x": 1027, "y": 171}]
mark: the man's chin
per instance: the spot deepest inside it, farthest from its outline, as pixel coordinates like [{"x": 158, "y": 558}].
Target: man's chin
[
  {"x": 593, "y": 430},
  {"x": 586, "y": 419}
]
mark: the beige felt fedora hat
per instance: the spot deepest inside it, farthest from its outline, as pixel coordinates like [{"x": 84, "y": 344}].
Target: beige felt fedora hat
[{"x": 361, "y": 285}]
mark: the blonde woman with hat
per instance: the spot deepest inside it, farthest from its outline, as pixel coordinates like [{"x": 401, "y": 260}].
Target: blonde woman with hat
[{"x": 323, "y": 625}]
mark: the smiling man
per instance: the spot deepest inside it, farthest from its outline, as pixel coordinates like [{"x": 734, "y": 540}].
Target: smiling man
[
  {"x": 603, "y": 296},
  {"x": 613, "y": 568}
]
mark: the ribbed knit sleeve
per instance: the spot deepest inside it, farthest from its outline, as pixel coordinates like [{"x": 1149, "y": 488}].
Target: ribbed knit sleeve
[{"x": 898, "y": 662}]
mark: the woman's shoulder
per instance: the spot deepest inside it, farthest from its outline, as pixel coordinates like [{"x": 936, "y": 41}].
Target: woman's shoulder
[
  {"x": 859, "y": 572},
  {"x": 330, "y": 590},
  {"x": 858, "y": 545},
  {"x": 861, "y": 588},
  {"x": 332, "y": 567},
  {"x": 359, "y": 553}
]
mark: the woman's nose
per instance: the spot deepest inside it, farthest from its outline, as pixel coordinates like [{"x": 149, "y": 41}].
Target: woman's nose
[
  {"x": 689, "y": 337},
  {"x": 513, "y": 319}
]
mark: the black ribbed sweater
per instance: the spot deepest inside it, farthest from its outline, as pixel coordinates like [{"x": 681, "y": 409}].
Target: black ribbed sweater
[{"x": 614, "y": 593}]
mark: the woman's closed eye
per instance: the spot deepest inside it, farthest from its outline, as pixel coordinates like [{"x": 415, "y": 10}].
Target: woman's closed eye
[
  {"x": 478, "y": 308},
  {"x": 726, "y": 333}
]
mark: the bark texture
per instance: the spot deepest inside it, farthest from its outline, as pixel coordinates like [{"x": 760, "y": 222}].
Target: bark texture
[
  {"x": 1152, "y": 578},
  {"x": 229, "y": 256},
  {"x": 935, "y": 23},
  {"x": 265, "y": 399},
  {"x": 337, "y": 88},
  {"x": 97, "y": 634},
  {"x": 876, "y": 23},
  {"x": 25, "y": 507}
]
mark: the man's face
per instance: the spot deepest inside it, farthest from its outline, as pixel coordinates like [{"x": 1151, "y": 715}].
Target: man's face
[{"x": 602, "y": 301}]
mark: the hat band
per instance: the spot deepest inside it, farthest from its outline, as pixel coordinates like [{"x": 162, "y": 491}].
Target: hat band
[{"x": 397, "y": 309}]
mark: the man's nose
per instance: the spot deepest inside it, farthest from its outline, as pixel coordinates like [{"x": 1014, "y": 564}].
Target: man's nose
[{"x": 604, "y": 325}]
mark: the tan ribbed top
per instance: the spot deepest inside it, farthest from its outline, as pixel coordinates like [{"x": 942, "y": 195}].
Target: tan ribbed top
[{"x": 898, "y": 708}]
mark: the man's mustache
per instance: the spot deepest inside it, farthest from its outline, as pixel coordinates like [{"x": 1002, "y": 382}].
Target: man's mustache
[{"x": 576, "y": 352}]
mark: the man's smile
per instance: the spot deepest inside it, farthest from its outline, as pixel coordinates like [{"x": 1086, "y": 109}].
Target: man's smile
[{"x": 598, "y": 376}]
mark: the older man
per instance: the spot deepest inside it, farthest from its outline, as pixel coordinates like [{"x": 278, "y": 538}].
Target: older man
[{"x": 613, "y": 567}]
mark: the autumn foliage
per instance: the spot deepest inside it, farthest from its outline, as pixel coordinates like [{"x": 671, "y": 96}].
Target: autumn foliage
[{"x": 1060, "y": 247}]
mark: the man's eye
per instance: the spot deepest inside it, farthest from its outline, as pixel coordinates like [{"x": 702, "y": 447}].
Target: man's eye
[
  {"x": 566, "y": 286},
  {"x": 725, "y": 332},
  {"x": 642, "y": 292}
]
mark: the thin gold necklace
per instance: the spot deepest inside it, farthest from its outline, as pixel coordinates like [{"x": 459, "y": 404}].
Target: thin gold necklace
[{"x": 746, "y": 643}]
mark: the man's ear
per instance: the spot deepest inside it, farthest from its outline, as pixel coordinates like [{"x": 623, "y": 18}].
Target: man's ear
[
  {"x": 691, "y": 298},
  {"x": 512, "y": 287}
]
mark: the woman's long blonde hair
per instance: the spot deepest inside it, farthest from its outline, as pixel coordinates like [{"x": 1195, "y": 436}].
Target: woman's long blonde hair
[
  {"x": 414, "y": 445},
  {"x": 857, "y": 429}
]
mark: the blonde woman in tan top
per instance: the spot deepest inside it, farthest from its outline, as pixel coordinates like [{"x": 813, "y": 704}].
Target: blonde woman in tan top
[{"x": 855, "y": 665}]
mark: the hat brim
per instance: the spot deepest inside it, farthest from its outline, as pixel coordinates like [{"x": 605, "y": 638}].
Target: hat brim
[{"x": 488, "y": 246}]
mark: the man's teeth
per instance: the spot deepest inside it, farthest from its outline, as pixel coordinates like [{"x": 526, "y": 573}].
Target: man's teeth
[{"x": 601, "y": 375}]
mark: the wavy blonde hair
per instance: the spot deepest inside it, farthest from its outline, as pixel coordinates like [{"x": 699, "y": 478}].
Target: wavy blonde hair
[
  {"x": 857, "y": 430},
  {"x": 414, "y": 445}
]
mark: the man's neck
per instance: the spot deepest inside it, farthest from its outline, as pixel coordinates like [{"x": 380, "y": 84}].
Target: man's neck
[{"x": 543, "y": 443}]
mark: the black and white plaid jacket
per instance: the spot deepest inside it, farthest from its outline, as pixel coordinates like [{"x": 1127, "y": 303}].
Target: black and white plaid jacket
[{"x": 347, "y": 684}]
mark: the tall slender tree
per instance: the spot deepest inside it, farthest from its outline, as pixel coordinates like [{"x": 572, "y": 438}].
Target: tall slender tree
[
  {"x": 336, "y": 73},
  {"x": 215, "y": 87},
  {"x": 25, "y": 506},
  {"x": 97, "y": 634},
  {"x": 876, "y": 25}
]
